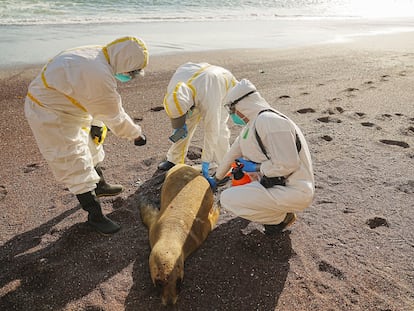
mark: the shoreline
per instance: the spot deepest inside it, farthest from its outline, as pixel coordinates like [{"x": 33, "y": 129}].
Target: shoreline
[
  {"x": 398, "y": 41},
  {"x": 22, "y": 45}
]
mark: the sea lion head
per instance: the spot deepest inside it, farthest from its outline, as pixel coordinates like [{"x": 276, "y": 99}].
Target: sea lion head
[{"x": 167, "y": 273}]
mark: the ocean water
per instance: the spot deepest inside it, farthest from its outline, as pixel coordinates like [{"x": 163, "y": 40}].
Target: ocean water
[{"x": 31, "y": 31}]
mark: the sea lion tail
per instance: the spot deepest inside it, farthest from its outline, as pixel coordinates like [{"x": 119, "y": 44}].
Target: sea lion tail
[{"x": 148, "y": 211}]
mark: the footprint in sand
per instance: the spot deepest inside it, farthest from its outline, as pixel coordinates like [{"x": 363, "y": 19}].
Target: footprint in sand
[
  {"x": 334, "y": 110},
  {"x": 370, "y": 84},
  {"x": 284, "y": 96},
  {"x": 157, "y": 108},
  {"x": 407, "y": 188},
  {"x": 384, "y": 78},
  {"x": 326, "y": 267},
  {"x": 306, "y": 110},
  {"x": 329, "y": 119},
  {"x": 3, "y": 192},
  {"x": 395, "y": 143},
  {"x": 367, "y": 124},
  {"x": 360, "y": 114},
  {"x": 409, "y": 131},
  {"x": 377, "y": 222},
  {"x": 351, "y": 91},
  {"x": 370, "y": 124},
  {"x": 335, "y": 99},
  {"x": 31, "y": 167},
  {"x": 327, "y": 138}
]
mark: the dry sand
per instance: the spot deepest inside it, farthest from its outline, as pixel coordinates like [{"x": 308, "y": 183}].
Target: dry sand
[{"x": 353, "y": 249}]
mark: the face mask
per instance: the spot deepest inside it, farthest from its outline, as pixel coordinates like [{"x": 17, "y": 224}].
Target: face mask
[
  {"x": 237, "y": 120},
  {"x": 123, "y": 77}
]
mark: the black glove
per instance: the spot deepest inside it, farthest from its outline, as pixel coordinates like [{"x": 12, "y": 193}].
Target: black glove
[
  {"x": 98, "y": 134},
  {"x": 140, "y": 141},
  {"x": 269, "y": 182}
]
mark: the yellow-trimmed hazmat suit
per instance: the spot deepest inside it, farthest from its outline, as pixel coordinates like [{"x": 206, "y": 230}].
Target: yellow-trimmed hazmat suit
[
  {"x": 280, "y": 159},
  {"x": 196, "y": 93},
  {"x": 74, "y": 90}
]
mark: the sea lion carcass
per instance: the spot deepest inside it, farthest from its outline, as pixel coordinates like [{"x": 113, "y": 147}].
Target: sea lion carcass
[{"x": 186, "y": 217}]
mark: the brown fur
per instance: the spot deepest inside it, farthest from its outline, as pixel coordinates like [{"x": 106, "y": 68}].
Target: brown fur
[{"x": 186, "y": 217}]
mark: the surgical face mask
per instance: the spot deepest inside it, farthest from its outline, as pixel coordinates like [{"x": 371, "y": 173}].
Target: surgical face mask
[
  {"x": 122, "y": 77},
  {"x": 237, "y": 120}
]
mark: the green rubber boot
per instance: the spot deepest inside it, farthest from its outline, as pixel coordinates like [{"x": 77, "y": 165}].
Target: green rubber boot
[
  {"x": 96, "y": 219},
  {"x": 103, "y": 189}
]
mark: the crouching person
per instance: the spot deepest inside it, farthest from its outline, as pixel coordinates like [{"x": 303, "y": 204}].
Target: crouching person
[{"x": 273, "y": 146}]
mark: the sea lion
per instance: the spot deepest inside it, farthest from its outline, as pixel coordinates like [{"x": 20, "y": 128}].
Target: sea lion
[{"x": 186, "y": 217}]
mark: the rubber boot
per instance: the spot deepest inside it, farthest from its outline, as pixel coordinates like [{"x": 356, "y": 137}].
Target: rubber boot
[
  {"x": 103, "y": 189},
  {"x": 276, "y": 229},
  {"x": 165, "y": 165},
  {"x": 96, "y": 219}
]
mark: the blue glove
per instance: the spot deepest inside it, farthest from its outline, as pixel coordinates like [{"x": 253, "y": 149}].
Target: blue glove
[
  {"x": 248, "y": 166},
  {"x": 212, "y": 182},
  {"x": 204, "y": 170},
  {"x": 179, "y": 133}
]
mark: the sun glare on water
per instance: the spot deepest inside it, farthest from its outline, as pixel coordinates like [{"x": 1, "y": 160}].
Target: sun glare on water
[{"x": 380, "y": 8}]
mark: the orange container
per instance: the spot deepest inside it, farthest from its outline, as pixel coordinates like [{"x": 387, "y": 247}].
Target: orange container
[{"x": 238, "y": 176}]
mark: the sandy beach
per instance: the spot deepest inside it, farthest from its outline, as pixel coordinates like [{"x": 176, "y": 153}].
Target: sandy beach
[{"x": 353, "y": 249}]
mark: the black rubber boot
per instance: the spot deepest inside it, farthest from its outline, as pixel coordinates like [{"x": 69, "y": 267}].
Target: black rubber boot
[
  {"x": 165, "y": 165},
  {"x": 276, "y": 229},
  {"x": 96, "y": 219},
  {"x": 103, "y": 189}
]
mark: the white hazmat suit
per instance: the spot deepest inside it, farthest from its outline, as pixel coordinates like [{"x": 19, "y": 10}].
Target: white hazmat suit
[
  {"x": 253, "y": 201},
  {"x": 196, "y": 93},
  {"x": 73, "y": 89}
]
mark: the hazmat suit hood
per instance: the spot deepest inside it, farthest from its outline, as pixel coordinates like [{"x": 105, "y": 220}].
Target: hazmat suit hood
[
  {"x": 126, "y": 54},
  {"x": 177, "y": 103},
  {"x": 250, "y": 105}
]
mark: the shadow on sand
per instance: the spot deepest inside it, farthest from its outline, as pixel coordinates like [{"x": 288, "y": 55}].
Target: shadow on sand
[{"x": 230, "y": 271}]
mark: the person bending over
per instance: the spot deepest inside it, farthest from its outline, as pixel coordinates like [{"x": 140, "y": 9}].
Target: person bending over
[
  {"x": 69, "y": 107},
  {"x": 196, "y": 94}
]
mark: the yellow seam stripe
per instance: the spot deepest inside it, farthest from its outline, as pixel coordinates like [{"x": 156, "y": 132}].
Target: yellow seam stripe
[
  {"x": 189, "y": 82},
  {"x": 193, "y": 89},
  {"x": 75, "y": 102},
  {"x": 167, "y": 109},
  {"x": 197, "y": 74},
  {"x": 140, "y": 43},
  {"x": 71, "y": 99},
  {"x": 44, "y": 77},
  {"x": 177, "y": 103},
  {"x": 34, "y": 99},
  {"x": 105, "y": 52}
]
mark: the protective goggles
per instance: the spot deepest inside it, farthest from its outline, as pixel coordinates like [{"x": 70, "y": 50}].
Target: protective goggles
[{"x": 231, "y": 107}]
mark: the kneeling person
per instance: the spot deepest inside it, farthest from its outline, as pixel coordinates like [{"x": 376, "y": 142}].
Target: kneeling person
[{"x": 273, "y": 146}]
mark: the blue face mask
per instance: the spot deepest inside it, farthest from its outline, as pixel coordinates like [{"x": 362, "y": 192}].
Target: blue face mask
[
  {"x": 123, "y": 77},
  {"x": 237, "y": 120}
]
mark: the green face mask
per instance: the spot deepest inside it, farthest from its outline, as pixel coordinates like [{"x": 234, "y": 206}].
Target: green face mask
[
  {"x": 123, "y": 77},
  {"x": 237, "y": 120}
]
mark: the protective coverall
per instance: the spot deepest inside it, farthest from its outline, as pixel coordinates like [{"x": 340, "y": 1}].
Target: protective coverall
[
  {"x": 197, "y": 91},
  {"x": 74, "y": 90},
  {"x": 253, "y": 201}
]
